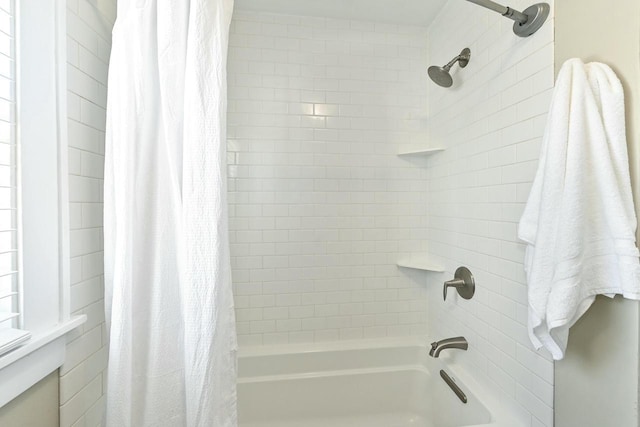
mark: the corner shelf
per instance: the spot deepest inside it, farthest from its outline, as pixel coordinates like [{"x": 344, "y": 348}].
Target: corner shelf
[
  {"x": 421, "y": 153},
  {"x": 420, "y": 263}
]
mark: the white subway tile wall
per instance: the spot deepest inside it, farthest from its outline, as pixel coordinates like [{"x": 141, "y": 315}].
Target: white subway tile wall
[
  {"x": 83, "y": 376},
  {"x": 321, "y": 206},
  {"x": 491, "y": 123}
]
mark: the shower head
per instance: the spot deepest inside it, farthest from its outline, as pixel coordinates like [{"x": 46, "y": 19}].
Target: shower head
[{"x": 441, "y": 76}]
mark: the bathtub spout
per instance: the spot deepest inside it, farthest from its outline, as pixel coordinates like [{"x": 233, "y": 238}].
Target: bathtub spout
[{"x": 457, "y": 342}]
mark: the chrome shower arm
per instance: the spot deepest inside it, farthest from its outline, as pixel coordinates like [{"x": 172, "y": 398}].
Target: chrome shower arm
[
  {"x": 513, "y": 14},
  {"x": 527, "y": 22},
  {"x": 452, "y": 63},
  {"x": 502, "y": 10},
  {"x": 463, "y": 58}
]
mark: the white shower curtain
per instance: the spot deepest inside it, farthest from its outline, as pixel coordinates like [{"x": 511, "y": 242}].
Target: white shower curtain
[{"x": 169, "y": 299}]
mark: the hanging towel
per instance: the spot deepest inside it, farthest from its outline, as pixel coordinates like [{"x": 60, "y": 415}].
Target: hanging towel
[{"x": 579, "y": 222}]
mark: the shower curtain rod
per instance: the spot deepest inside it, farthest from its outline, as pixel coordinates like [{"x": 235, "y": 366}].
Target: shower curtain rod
[{"x": 527, "y": 22}]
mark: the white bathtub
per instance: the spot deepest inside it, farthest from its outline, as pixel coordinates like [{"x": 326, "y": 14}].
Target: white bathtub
[{"x": 365, "y": 384}]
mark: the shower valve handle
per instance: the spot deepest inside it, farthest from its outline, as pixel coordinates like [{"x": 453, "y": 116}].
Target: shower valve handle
[
  {"x": 455, "y": 283},
  {"x": 463, "y": 282}
]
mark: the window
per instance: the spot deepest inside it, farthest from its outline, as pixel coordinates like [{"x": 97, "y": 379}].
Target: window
[
  {"x": 34, "y": 229},
  {"x": 10, "y": 303}
]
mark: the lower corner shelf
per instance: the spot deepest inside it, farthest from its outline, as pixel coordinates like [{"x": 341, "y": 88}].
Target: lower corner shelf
[{"x": 421, "y": 152}]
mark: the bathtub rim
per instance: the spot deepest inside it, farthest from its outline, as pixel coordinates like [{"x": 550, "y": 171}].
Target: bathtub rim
[
  {"x": 320, "y": 347},
  {"x": 502, "y": 412}
]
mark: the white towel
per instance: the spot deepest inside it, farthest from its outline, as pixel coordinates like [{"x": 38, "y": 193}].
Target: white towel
[{"x": 579, "y": 222}]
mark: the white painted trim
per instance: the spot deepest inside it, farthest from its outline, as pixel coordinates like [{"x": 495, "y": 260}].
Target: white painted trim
[
  {"x": 18, "y": 89},
  {"x": 41, "y": 340},
  {"x": 39, "y": 148},
  {"x": 42, "y": 118},
  {"x": 64, "y": 231},
  {"x": 25, "y": 366}
]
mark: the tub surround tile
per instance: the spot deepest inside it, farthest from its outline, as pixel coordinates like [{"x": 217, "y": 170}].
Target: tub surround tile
[
  {"x": 490, "y": 123},
  {"x": 321, "y": 206},
  {"x": 83, "y": 377}
]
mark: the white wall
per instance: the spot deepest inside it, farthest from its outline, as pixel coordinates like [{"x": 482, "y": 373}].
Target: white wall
[
  {"x": 491, "y": 123},
  {"x": 82, "y": 377},
  {"x": 320, "y": 205}
]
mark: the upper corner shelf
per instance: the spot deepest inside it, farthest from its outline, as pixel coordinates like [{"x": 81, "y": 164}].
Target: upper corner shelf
[
  {"x": 419, "y": 263},
  {"x": 424, "y": 152}
]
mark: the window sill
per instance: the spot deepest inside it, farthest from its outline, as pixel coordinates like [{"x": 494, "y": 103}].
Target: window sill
[{"x": 42, "y": 354}]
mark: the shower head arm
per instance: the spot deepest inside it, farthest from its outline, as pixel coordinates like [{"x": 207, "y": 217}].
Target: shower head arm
[
  {"x": 452, "y": 63},
  {"x": 463, "y": 58},
  {"x": 514, "y": 15},
  {"x": 502, "y": 10}
]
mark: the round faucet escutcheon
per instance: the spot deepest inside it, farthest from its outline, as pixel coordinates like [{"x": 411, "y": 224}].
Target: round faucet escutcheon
[{"x": 463, "y": 281}]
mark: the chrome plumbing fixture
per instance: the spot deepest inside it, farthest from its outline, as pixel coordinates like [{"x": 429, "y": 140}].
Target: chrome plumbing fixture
[
  {"x": 463, "y": 282},
  {"x": 441, "y": 76},
  {"x": 452, "y": 384},
  {"x": 526, "y": 22},
  {"x": 458, "y": 342}
]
